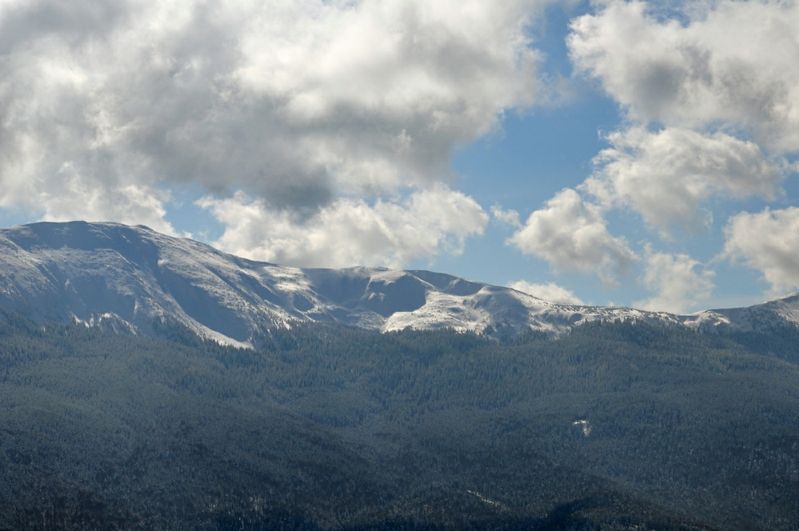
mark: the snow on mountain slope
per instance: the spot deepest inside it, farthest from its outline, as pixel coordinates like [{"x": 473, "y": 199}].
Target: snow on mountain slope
[
  {"x": 783, "y": 312},
  {"x": 133, "y": 277}
]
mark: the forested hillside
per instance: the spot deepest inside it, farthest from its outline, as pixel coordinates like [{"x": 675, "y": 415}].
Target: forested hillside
[{"x": 333, "y": 427}]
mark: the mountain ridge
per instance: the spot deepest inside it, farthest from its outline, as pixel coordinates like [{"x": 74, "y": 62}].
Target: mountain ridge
[{"x": 130, "y": 276}]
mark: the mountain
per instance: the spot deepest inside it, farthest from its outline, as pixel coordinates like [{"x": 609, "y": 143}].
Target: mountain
[
  {"x": 612, "y": 426},
  {"x": 106, "y": 274},
  {"x": 631, "y": 420}
]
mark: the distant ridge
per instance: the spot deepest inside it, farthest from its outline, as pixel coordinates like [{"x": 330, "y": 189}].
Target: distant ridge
[{"x": 131, "y": 277}]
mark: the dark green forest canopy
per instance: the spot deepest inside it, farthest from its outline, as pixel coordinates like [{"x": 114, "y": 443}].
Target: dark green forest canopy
[{"x": 612, "y": 425}]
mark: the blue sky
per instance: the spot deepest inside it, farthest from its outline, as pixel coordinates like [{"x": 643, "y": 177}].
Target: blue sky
[{"x": 612, "y": 152}]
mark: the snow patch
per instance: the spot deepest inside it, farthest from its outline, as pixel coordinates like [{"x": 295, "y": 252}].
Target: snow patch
[
  {"x": 485, "y": 499},
  {"x": 584, "y": 426},
  {"x": 442, "y": 311}
]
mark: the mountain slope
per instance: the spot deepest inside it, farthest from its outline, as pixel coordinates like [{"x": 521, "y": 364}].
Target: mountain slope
[
  {"x": 612, "y": 426},
  {"x": 132, "y": 277},
  {"x": 630, "y": 421}
]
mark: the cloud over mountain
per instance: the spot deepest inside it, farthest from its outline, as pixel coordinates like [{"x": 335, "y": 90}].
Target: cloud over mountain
[
  {"x": 726, "y": 62},
  {"x": 351, "y": 232},
  {"x": 667, "y": 176},
  {"x": 572, "y": 235},
  {"x": 301, "y": 106},
  {"x": 678, "y": 283},
  {"x": 767, "y": 241}
]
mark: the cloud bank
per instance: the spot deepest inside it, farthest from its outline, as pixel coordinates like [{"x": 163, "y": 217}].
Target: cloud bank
[
  {"x": 728, "y": 63},
  {"x": 668, "y": 175},
  {"x": 709, "y": 95},
  {"x": 300, "y": 105},
  {"x": 711, "y": 112},
  {"x": 351, "y": 232}
]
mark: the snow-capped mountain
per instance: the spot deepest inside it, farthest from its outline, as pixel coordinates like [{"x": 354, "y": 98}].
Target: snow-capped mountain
[{"x": 131, "y": 277}]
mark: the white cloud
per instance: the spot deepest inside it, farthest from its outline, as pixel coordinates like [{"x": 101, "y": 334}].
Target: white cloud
[
  {"x": 767, "y": 241},
  {"x": 131, "y": 204},
  {"x": 728, "y": 63},
  {"x": 572, "y": 235},
  {"x": 719, "y": 82},
  {"x": 507, "y": 217},
  {"x": 666, "y": 176},
  {"x": 678, "y": 283},
  {"x": 350, "y": 232},
  {"x": 297, "y": 104},
  {"x": 549, "y": 292}
]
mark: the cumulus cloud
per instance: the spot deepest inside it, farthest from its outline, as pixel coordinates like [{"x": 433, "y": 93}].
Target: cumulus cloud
[
  {"x": 712, "y": 103},
  {"x": 767, "y": 241},
  {"x": 678, "y": 283},
  {"x": 666, "y": 176},
  {"x": 302, "y": 106},
  {"x": 727, "y": 63},
  {"x": 547, "y": 291},
  {"x": 572, "y": 235},
  {"x": 350, "y": 232},
  {"x": 131, "y": 204}
]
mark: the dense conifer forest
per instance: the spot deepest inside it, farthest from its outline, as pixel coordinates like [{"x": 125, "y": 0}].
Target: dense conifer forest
[{"x": 612, "y": 426}]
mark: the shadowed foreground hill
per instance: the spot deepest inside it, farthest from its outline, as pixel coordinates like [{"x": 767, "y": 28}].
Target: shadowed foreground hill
[{"x": 611, "y": 426}]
